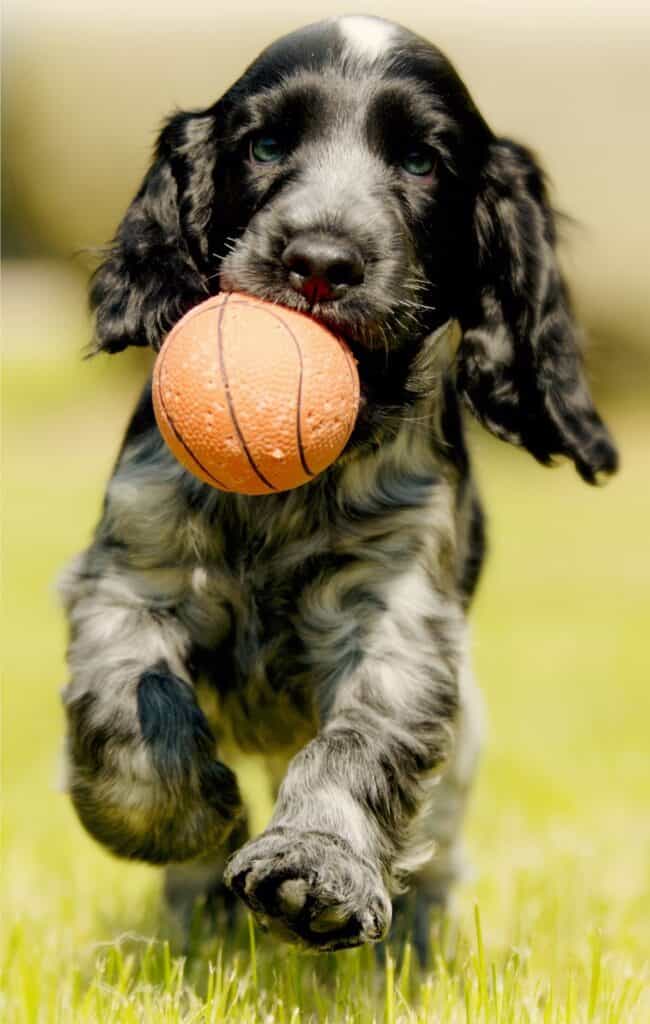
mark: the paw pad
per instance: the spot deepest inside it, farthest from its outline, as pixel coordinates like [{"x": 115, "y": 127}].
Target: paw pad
[{"x": 310, "y": 888}]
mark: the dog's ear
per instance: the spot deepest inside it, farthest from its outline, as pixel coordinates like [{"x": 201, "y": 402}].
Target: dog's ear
[
  {"x": 153, "y": 270},
  {"x": 519, "y": 364}
]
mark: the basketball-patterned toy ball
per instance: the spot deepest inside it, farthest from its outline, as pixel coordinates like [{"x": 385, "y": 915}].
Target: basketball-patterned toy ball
[{"x": 252, "y": 397}]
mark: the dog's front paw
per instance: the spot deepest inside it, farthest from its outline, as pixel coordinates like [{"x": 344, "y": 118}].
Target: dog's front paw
[{"x": 311, "y": 888}]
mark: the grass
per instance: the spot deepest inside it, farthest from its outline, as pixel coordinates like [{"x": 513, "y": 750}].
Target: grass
[{"x": 555, "y": 926}]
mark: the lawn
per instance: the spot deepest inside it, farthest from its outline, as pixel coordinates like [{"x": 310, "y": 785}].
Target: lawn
[{"x": 555, "y": 925}]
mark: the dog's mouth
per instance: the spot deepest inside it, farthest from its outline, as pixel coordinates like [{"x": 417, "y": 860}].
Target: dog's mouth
[
  {"x": 382, "y": 336},
  {"x": 383, "y": 356},
  {"x": 378, "y": 319},
  {"x": 370, "y": 337}
]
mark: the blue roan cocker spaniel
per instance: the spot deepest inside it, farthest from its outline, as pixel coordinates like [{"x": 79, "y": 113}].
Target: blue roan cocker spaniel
[{"x": 347, "y": 174}]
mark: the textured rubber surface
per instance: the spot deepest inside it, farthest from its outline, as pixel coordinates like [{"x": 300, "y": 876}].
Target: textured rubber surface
[{"x": 252, "y": 397}]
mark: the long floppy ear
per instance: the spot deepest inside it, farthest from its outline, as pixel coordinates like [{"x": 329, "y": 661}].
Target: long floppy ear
[
  {"x": 154, "y": 269},
  {"x": 519, "y": 364}
]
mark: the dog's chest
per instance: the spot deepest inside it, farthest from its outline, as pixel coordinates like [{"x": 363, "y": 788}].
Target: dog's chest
[
  {"x": 286, "y": 609},
  {"x": 252, "y": 613}
]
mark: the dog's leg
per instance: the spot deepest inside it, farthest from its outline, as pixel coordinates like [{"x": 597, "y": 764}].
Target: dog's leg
[
  {"x": 141, "y": 763},
  {"x": 198, "y": 886},
  {"x": 429, "y": 900},
  {"x": 343, "y": 834}
]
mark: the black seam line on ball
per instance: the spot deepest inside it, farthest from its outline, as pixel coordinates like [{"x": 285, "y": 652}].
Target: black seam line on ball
[
  {"x": 301, "y": 449},
  {"x": 170, "y": 419},
  {"x": 269, "y": 312},
  {"x": 231, "y": 406}
]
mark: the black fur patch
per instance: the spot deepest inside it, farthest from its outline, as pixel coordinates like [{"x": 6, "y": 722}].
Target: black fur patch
[
  {"x": 476, "y": 547},
  {"x": 173, "y": 726}
]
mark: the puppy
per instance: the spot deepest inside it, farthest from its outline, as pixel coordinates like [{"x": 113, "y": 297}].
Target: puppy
[{"x": 347, "y": 174}]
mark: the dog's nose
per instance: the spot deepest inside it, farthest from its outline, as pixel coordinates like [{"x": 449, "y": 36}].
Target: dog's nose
[{"x": 322, "y": 267}]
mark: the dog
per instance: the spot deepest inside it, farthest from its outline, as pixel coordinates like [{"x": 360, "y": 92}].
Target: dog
[{"x": 347, "y": 174}]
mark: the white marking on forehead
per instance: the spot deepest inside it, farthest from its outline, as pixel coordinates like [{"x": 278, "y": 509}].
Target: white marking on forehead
[{"x": 367, "y": 37}]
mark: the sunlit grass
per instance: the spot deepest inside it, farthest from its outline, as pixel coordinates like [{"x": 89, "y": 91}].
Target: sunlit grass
[{"x": 554, "y": 928}]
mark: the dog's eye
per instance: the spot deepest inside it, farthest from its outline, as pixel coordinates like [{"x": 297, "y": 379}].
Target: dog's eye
[
  {"x": 419, "y": 161},
  {"x": 266, "y": 149}
]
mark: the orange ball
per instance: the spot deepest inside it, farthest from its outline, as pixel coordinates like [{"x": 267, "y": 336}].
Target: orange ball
[{"x": 252, "y": 397}]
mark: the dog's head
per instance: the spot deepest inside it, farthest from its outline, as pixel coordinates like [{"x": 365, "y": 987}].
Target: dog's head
[{"x": 348, "y": 174}]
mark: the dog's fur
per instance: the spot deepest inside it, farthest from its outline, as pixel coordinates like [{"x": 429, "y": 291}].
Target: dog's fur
[{"x": 323, "y": 626}]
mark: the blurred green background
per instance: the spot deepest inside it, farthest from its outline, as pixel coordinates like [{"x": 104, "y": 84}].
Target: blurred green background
[{"x": 559, "y": 829}]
